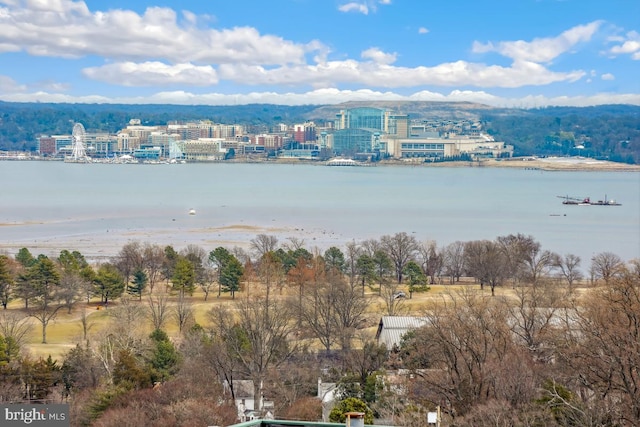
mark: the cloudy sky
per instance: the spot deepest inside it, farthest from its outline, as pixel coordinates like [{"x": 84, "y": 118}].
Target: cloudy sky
[{"x": 522, "y": 53}]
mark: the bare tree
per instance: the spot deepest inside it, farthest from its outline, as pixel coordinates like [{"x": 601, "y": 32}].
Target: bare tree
[
  {"x": 72, "y": 286},
  {"x": 601, "y": 349},
  {"x": 262, "y": 244},
  {"x": 533, "y": 317},
  {"x": 158, "y": 309},
  {"x": 467, "y": 339},
  {"x": 569, "y": 268},
  {"x": 257, "y": 339},
  {"x": 370, "y": 247},
  {"x": 293, "y": 244},
  {"x": 538, "y": 265},
  {"x": 520, "y": 255},
  {"x": 153, "y": 261},
  {"x": 606, "y": 265},
  {"x": 432, "y": 260},
  {"x": 453, "y": 261},
  {"x": 121, "y": 333},
  {"x": 350, "y": 311},
  {"x": 271, "y": 272},
  {"x": 485, "y": 260},
  {"x": 393, "y": 304},
  {"x": 15, "y": 325},
  {"x": 401, "y": 248},
  {"x": 211, "y": 275},
  {"x": 86, "y": 324},
  {"x": 353, "y": 252},
  {"x": 129, "y": 259},
  {"x": 183, "y": 313}
]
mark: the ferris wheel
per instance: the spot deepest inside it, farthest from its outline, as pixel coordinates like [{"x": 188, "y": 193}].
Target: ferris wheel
[{"x": 77, "y": 140}]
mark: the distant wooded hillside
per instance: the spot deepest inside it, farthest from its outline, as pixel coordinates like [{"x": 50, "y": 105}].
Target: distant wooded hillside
[{"x": 610, "y": 131}]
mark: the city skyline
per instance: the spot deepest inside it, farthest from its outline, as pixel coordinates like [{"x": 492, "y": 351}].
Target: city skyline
[{"x": 529, "y": 53}]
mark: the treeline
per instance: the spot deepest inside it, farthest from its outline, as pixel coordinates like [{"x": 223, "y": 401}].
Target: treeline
[
  {"x": 550, "y": 349},
  {"x": 607, "y": 132}
]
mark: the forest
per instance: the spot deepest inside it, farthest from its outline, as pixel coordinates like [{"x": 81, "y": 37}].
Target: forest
[
  {"x": 610, "y": 132},
  {"x": 512, "y": 334}
]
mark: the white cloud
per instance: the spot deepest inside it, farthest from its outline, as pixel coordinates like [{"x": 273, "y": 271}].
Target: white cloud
[
  {"x": 373, "y": 74},
  {"x": 363, "y": 6},
  {"x": 608, "y": 76},
  {"x": 630, "y": 45},
  {"x": 378, "y": 56},
  {"x": 354, "y": 7},
  {"x": 8, "y": 85},
  {"x": 330, "y": 96},
  {"x": 423, "y": 30},
  {"x": 153, "y": 74},
  {"x": 541, "y": 50},
  {"x": 51, "y": 86},
  {"x": 66, "y": 28}
]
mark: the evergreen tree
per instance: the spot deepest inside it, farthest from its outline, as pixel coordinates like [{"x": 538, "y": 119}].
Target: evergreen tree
[
  {"x": 6, "y": 281},
  {"x": 184, "y": 277},
  {"x": 25, "y": 258},
  {"x": 164, "y": 357},
  {"x": 108, "y": 283},
  {"x": 350, "y": 404},
  {"x": 139, "y": 283},
  {"x": 230, "y": 276}
]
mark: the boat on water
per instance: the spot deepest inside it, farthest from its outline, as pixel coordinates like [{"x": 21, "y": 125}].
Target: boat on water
[{"x": 586, "y": 201}]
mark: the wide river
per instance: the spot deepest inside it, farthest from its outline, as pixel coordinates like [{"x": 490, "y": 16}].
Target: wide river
[{"x": 97, "y": 208}]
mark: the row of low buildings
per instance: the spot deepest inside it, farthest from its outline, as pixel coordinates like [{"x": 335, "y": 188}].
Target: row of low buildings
[{"x": 362, "y": 133}]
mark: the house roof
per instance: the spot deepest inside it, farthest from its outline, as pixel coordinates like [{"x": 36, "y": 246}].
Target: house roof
[{"x": 392, "y": 328}]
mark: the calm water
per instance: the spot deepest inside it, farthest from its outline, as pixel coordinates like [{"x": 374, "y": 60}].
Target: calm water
[{"x": 96, "y": 208}]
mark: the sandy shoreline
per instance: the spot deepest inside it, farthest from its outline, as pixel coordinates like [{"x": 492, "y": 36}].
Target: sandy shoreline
[
  {"x": 99, "y": 247},
  {"x": 580, "y": 164}
]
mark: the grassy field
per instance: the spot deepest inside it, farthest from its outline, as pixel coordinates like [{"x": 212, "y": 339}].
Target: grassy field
[{"x": 66, "y": 330}]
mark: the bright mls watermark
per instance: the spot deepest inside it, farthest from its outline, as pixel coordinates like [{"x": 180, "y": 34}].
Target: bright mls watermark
[{"x": 37, "y": 415}]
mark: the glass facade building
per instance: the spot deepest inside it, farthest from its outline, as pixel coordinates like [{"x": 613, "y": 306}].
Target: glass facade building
[
  {"x": 361, "y": 118},
  {"x": 347, "y": 142}
]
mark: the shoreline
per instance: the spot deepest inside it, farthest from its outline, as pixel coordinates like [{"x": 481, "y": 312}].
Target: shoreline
[{"x": 578, "y": 164}]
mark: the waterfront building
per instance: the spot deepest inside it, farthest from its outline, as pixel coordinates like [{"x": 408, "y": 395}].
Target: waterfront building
[
  {"x": 304, "y": 133},
  {"x": 268, "y": 141},
  {"x": 164, "y": 141},
  {"x": 127, "y": 143},
  {"x": 47, "y": 146},
  {"x": 349, "y": 142},
  {"x": 100, "y": 144},
  {"x": 476, "y": 147},
  {"x": 366, "y": 131},
  {"x": 147, "y": 152},
  {"x": 135, "y": 130}
]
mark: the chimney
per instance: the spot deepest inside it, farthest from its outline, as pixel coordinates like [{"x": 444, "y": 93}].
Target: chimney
[{"x": 355, "y": 419}]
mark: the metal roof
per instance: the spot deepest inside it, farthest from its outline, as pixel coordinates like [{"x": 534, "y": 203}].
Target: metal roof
[{"x": 392, "y": 328}]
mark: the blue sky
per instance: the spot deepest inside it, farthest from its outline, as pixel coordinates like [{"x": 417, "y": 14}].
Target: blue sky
[{"x": 522, "y": 53}]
